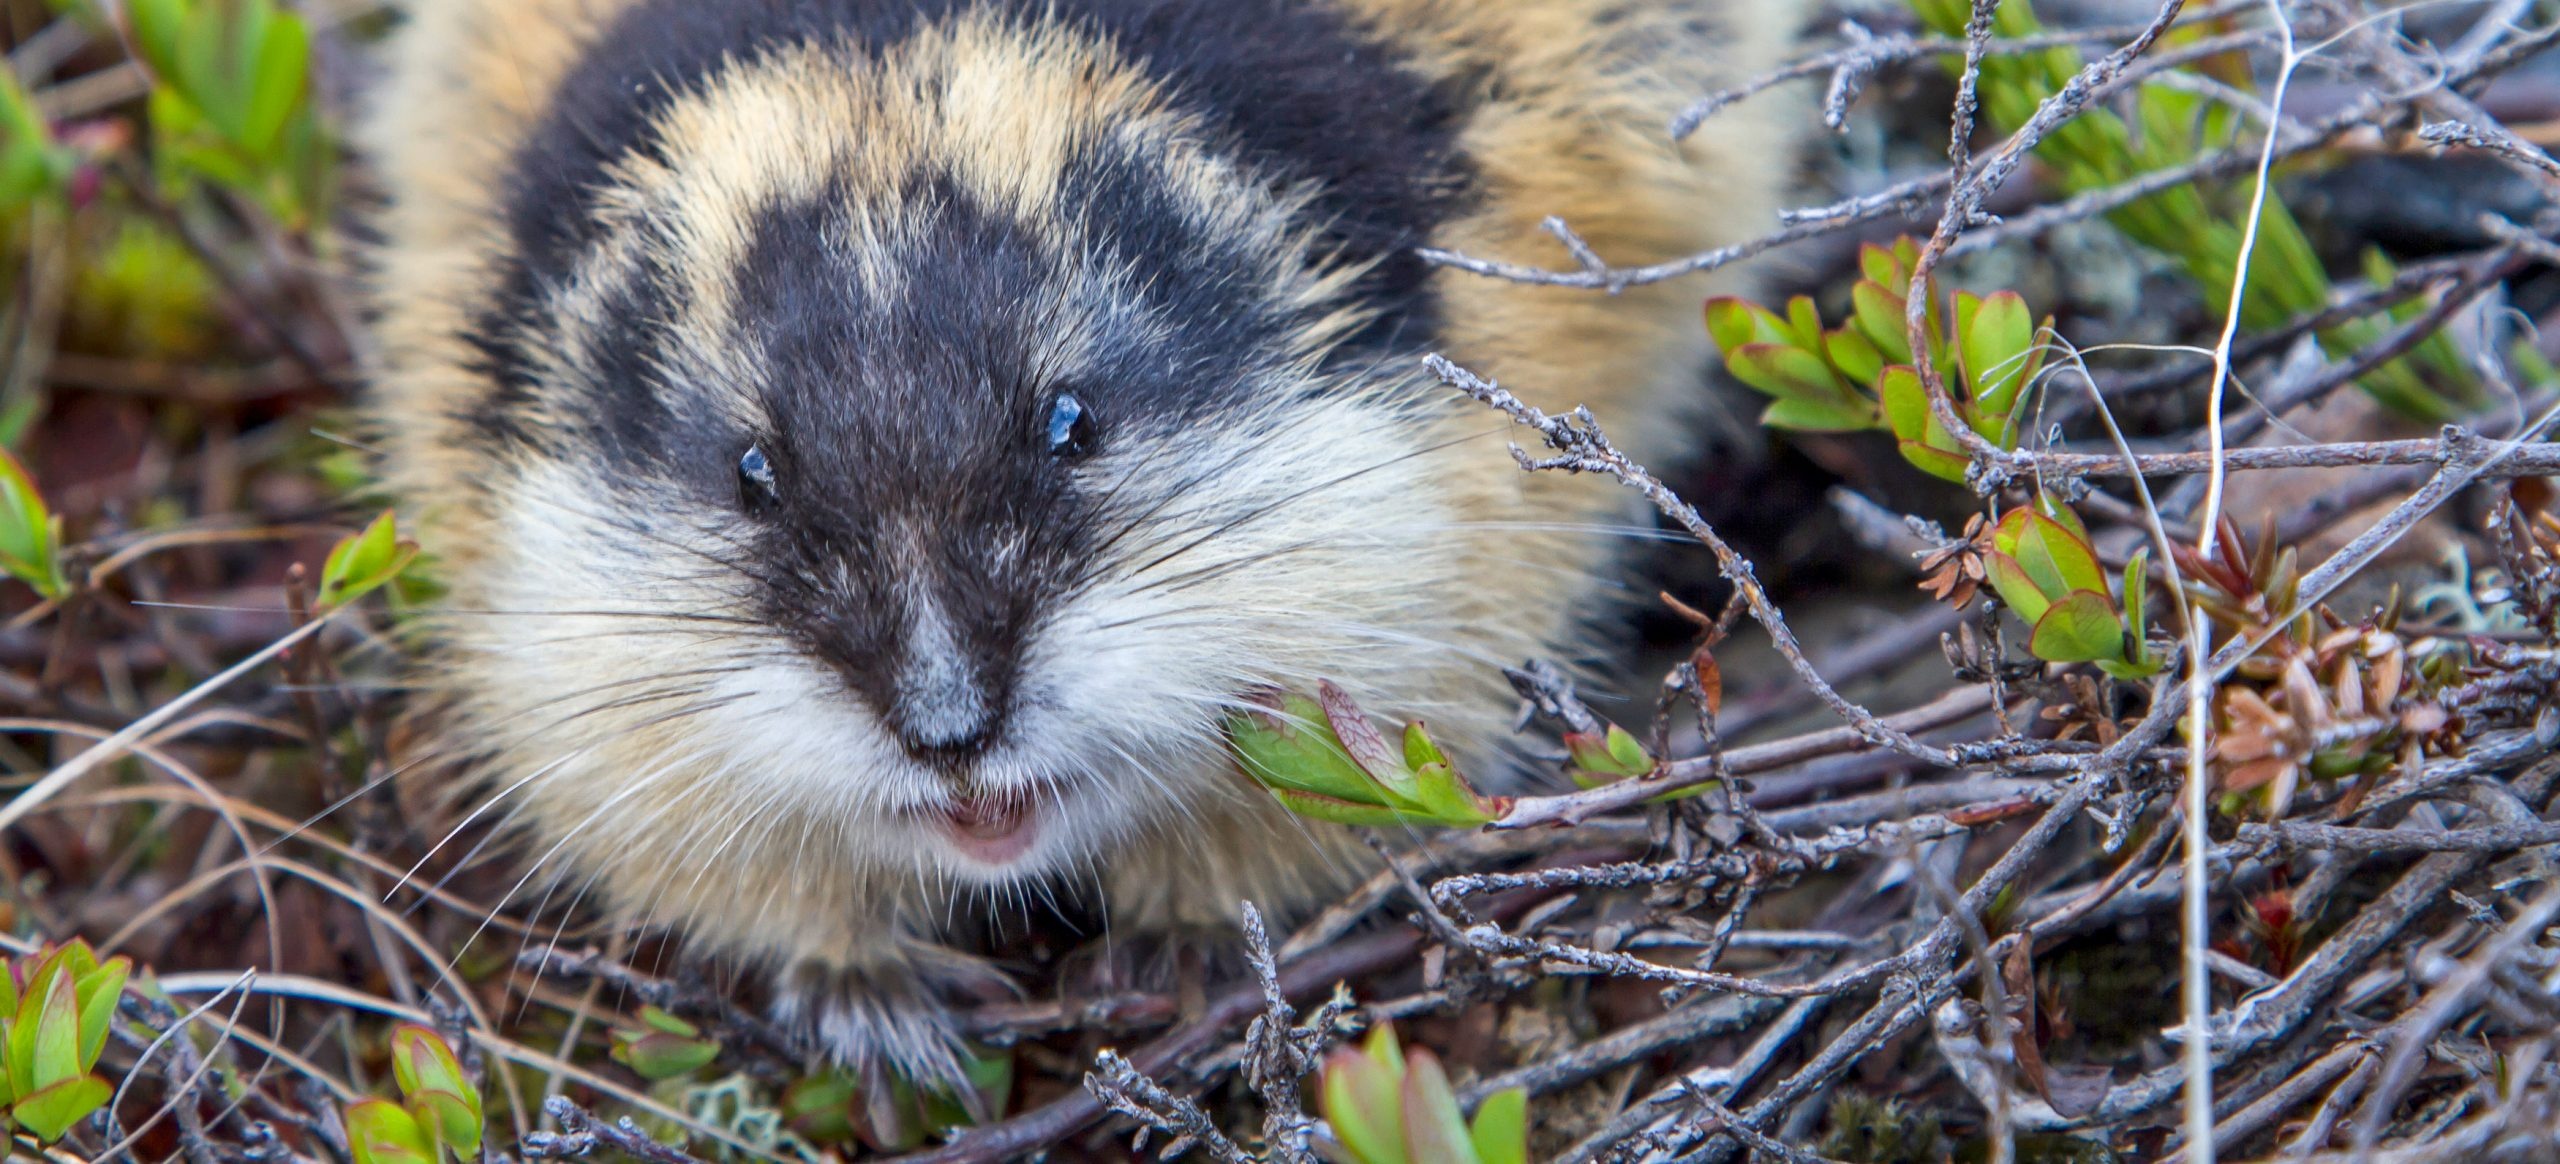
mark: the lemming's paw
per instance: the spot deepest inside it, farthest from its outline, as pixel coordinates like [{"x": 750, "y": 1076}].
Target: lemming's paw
[{"x": 896, "y": 1019}]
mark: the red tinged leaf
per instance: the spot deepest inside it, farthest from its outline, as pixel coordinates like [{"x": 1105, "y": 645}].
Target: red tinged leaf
[
  {"x": 1434, "y": 1131},
  {"x": 1359, "y": 1099},
  {"x": 1710, "y": 680},
  {"x": 1982, "y": 814},
  {"x": 1359, "y": 737}
]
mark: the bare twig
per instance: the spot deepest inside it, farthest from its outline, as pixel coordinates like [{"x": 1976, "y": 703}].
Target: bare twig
[{"x": 582, "y": 1132}]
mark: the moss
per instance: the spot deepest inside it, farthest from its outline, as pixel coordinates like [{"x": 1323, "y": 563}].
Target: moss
[{"x": 1867, "y": 1130}]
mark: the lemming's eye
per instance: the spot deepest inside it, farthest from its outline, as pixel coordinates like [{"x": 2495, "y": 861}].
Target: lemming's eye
[
  {"x": 1070, "y": 427},
  {"x": 757, "y": 488}
]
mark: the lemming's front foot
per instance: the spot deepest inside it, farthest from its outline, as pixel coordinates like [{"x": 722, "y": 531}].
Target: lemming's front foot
[{"x": 894, "y": 1019}]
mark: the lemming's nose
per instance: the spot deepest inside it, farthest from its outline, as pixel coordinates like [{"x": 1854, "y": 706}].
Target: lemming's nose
[{"x": 940, "y": 706}]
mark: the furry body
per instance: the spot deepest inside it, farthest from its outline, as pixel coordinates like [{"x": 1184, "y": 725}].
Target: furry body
[{"x": 718, "y": 341}]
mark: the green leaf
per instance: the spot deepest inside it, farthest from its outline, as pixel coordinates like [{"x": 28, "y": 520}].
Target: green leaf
[
  {"x": 2020, "y": 536},
  {"x": 2134, "y": 671},
  {"x": 2053, "y": 507},
  {"x": 657, "y": 1018},
  {"x": 1733, "y": 322},
  {"x": 1383, "y": 1049},
  {"x": 1804, "y": 324},
  {"x": 279, "y": 78},
  {"x": 1501, "y": 1129},
  {"x": 155, "y": 25},
  {"x": 1446, "y": 798},
  {"x": 1286, "y": 748},
  {"x": 30, "y": 536},
  {"x": 1434, "y": 1130},
  {"x": 54, "y": 1056},
  {"x": 449, "y": 1119},
  {"x": 442, "y": 1097},
  {"x": 2014, "y": 587},
  {"x": 1997, "y": 351},
  {"x": 2137, "y": 582},
  {"x": 12, "y": 997},
  {"x": 2170, "y": 120},
  {"x": 1617, "y": 754},
  {"x": 1629, "y": 751},
  {"x": 31, "y": 163},
  {"x": 382, "y": 1132},
  {"x": 991, "y": 1077},
  {"x": 1946, "y": 17},
  {"x": 2081, "y": 628},
  {"x": 1787, "y": 372},
  {"x": 1854, "y": 354},
  {"x": 1878, "y": 315},
  {"x": 1359, "y": 1100},
  {"x": 1924, "y": 441},
  {"x": 1817, "y": 416},
  {"x": 50, "y": 1111},
  {"x": 1905, "y": 400},
  {"x": 656, "y": 1055},
  {"x": 1419, "y": 750},
  {"x": 98, "y": 991},
  {"x": 2067, "y": 546},
  {"x": 21, "y": 414},
  {"x": 2056, "y": 554},
  {"x": 820, "y": 1108},
  {"x": 2378, "y": 268},
  {"x": 1346, "y": 771},
  {"x": 1938, "y": 463},
  {"x": 233, "y": 100},
  {"x": 363, "y": 562},
  {"x": 205, "y": 39},
  {"x": 420, "y": 1060},
  {"x": 1882, "y": 266}
]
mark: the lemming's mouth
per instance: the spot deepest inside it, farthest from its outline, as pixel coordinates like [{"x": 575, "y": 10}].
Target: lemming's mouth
[{"x": 993, "y": 829}]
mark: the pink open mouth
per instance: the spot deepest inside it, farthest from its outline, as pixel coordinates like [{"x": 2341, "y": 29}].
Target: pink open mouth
[{"x": 992, "y": 830}]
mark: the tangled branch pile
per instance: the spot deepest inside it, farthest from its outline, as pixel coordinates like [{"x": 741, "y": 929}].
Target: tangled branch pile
[{"x": 2180, "y": 826}]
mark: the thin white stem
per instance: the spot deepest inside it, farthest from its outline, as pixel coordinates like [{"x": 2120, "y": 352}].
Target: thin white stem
[
  {"x": 2197, "y": 939},
  {"x": 2222, "y": 346},
  {"x": 2197, "y": 931}
]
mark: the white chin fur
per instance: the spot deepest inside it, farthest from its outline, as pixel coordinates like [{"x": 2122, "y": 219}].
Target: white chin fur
[{"x": 803, "y": 744}]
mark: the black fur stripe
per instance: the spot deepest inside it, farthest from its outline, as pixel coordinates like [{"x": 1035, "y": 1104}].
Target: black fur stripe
[
  {"x": 1298, "y": 93},
  {"x": 1301, "y": 93}
]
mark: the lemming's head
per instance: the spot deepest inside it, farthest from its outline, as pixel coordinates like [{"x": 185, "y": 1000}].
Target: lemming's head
[{"x": 919, "y": 439}]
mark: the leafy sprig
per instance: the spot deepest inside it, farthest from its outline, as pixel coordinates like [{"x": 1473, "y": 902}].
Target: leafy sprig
[
  {"x": 1389, "y": 1106},
  {"x": 1323, "y": 758},
  {"x": 440, "y": 1114},
  {"x": 1861, "y": 374},
  {"x": 56, "y": 1007}
]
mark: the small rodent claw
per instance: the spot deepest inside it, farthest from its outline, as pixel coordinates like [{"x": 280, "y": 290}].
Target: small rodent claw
[{"x": 876, "y": 1023}]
